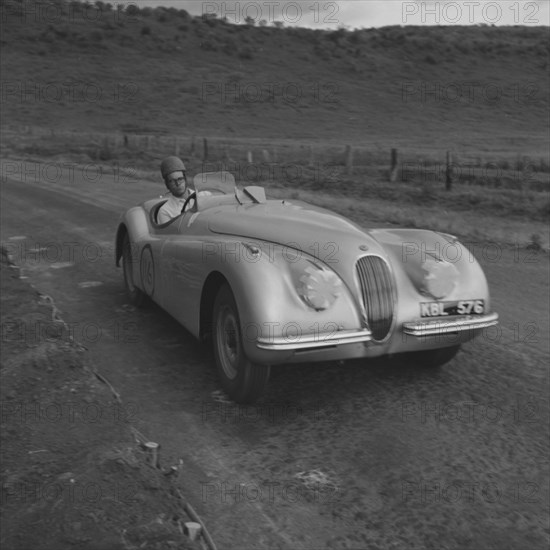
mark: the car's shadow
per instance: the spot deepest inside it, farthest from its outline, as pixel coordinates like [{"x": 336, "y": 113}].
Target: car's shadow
[{"x": 299, "y": 382}]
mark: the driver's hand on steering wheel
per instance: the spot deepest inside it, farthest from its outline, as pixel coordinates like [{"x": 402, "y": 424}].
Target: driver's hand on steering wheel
[{"x": 192, "y": 196}]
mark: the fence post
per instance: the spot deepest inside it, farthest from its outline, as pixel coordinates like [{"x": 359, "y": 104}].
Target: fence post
[
  {"x": 205, "y": 150},
  {"x": 393, "y": 168},
  {"x": 176, "y": 147},
  {"x": 249, "y": 157},
  {"x": 192, "y": 149},
  {"x": 449, "y": 172}
]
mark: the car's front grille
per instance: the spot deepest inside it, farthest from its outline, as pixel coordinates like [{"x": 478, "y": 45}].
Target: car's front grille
[{"x": 377, "y": 293}]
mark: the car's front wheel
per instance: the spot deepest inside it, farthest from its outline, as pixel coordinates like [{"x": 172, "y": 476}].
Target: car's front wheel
[
  {"x": 241, "y": 379},
  {"x": 136, "y": 296}
]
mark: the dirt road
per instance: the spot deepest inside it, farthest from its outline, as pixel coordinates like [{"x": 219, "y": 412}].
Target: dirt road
[{"x": 334, "y": 456}]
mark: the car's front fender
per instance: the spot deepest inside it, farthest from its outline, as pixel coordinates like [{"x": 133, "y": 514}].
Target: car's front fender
[{"x": 274, "y": 319}]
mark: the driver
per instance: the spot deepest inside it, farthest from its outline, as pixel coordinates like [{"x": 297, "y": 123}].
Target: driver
[{"x": 173, "y": 173}]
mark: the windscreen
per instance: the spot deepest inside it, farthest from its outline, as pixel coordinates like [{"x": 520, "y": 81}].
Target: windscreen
[{"x": 224, "y": 181}]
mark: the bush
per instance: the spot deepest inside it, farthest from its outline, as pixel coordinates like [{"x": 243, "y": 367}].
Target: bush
[
  {"x": 210, "y": 19},
  {"x": 230, "y": 46},
  {"x": 246, "y": 53},
  {"x": 535, "y": 243},
  {"x": 131, "y": 9},
  {"x": 209, "y": 45},
  {"x": 146, "y": 30}
]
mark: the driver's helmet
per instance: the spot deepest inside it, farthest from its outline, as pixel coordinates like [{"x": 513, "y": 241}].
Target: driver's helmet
[{"x": 170, "y": 165}]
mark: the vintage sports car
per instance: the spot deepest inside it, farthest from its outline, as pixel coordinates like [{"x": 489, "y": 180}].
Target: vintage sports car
[{"x": 281, "y": 281}]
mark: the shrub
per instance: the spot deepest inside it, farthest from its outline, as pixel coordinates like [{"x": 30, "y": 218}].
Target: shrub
[
  {"x": 544, "y": 210},
  {"x": 230, "y": 45},
  {"x": 131, "y": 9},
  {"x": 210, "y": 19},
  {"x": 235, "y": 77},
  {"x": 209, "y": 45},
  {"x": 146, "y": 30},
  {"x": 246, "y": 53},
  {"x": 535, "y": 243}
]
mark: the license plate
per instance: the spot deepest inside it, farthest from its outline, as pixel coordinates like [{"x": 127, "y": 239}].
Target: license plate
[{"x": 455, "y": 307}]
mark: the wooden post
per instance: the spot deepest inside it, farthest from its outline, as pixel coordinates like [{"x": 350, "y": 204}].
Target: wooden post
[
  {"x": 349, "y": 160},
  {"x": 249, "y": 157},
  {"x": 125, "y": 141},
  {"x": 205, "y": 150},
  {"x": 310, "y": 156},
  {"x": 176, "y": 147},
  {"x": 393, "y": 168},
  {"x": 449, "y": 172},
  {"x": 192, "y": 149}
]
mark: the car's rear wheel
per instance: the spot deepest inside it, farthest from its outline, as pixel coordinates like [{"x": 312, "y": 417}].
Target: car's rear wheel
[
  {"x": 241, "y": 379},
  {"x": 432, "y": 358},
  {"x": 136, "y": 296}
]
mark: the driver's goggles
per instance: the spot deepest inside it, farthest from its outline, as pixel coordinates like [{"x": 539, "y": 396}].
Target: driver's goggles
[{"x": 178, "y": 181}]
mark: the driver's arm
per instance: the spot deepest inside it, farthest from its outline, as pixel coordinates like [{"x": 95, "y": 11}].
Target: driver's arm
[{"x": 163, "y": 216}]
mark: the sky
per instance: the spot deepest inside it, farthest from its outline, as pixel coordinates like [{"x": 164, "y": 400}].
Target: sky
[{"x": 353, "y": 14}]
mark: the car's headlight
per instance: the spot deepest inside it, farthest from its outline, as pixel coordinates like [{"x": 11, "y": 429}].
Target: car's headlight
[
  {"x": 440, "y": 277},
  {"x": 317, "y": 286}
]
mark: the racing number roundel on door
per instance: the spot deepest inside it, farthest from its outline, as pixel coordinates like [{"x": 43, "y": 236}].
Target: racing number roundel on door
[{"x": 147, "y": 270}]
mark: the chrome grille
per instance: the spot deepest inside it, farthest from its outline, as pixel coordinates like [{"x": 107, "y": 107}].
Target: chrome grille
[{"x": 377, "y": 293}]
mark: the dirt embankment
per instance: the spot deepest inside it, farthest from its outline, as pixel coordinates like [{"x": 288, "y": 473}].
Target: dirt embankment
[{"x": 73, "y": 471}]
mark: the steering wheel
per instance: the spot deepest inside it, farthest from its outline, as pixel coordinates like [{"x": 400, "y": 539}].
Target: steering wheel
[{"x": 191, "y": 196}]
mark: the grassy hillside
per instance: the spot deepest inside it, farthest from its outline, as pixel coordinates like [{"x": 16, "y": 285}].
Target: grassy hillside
[{"x": 162, "y": 71}]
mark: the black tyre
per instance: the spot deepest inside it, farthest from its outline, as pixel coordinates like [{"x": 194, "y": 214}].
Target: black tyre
[
  {"x": 242, "y": 380},
  {"x": 136, "y": 296},
  {"x": 432, "y": 358}
]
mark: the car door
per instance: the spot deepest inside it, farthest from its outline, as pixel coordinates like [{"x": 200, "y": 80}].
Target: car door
[{"x": 180, "y": 278}]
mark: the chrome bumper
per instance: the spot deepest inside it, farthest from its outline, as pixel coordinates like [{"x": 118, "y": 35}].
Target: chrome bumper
[
  {"x": 435, "y": 327},
  {"x": 314, "y": 341}
]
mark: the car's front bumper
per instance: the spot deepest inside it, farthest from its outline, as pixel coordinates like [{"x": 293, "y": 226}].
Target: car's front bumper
[
  {"x": 439, "y": 326},
  {"x": 412, "y": 336},
  {"x": 314, "y": 341}
]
